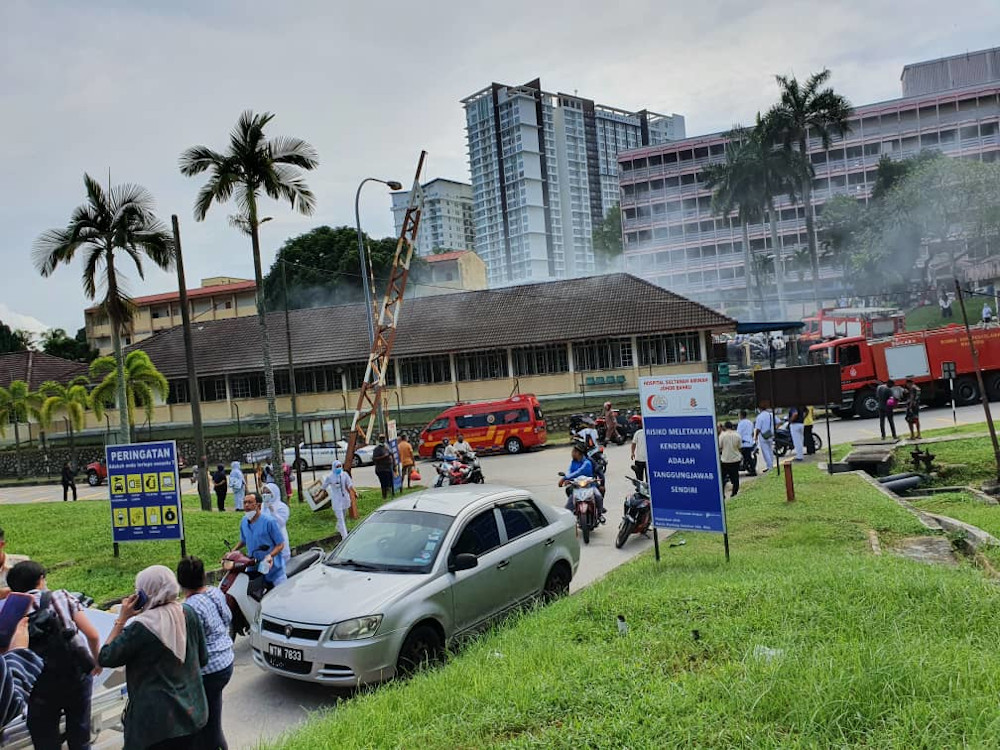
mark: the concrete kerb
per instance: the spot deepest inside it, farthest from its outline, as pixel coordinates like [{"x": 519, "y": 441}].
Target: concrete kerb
[{"x": 926, "y": 519}]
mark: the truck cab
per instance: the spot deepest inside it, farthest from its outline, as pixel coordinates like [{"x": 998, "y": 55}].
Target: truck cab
[{"x": 857, "y": 372}]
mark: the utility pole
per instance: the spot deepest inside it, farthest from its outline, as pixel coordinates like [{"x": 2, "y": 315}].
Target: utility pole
[
  {"x": 291, "y": 383},
  {"x": 979, "y": 378},
  {"x": 199, "y": 435}
]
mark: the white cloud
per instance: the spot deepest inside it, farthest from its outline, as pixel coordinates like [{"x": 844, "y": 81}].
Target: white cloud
[{"x": 16, "y": 321}]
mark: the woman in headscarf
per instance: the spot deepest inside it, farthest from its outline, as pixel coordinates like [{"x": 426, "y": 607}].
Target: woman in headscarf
[
  {"x": 162, "y": 647},
  {"x": 238, "y": 484},
  {"x": 279, "y": 511}
]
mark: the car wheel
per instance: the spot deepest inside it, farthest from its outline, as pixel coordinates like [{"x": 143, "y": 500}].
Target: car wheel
[
  {"x": 92, "y": 479},
  {"x": 966, "y": 391},
  {"x": 513, "y": 445},
  {"x": 356, "y": 461},
  {"x": 423, "y": 646},
  {"x": 439, "y": 453},
  {"x": 993, "y": 386},
  {"x": 866, "y": 405},
  {"x": 302, "y": 465},
  {"x": 557, "y": 582}
]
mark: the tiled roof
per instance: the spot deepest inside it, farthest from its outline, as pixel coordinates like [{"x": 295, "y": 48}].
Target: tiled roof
[
  {"x": 196, "y": 293},
  {"x": 37, "y": 367},
  {"x": 453, "y": 255},
  {"x": 530, "y": 314}
]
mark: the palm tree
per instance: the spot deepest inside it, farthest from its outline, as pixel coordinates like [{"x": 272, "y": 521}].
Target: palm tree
[
  {"x": 801, "y": 112},
  {"x": 17, "y": 403},
  {"x": 737, "y": 187},
  {"x": 143, "y": 383},
  {"x": 72, "y": 400},
  {"x": 120, "y": 219},
  {"x": 253, "y": 164}
]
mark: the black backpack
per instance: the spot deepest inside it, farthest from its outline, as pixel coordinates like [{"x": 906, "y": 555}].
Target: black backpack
[{"x": 53, "y": 641}]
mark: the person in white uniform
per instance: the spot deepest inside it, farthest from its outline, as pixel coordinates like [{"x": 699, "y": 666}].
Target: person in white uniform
[
  {"x": 340, "y": 487},
  {"x": 764, "y": 435},
  {"x": 280, "y": 512}
]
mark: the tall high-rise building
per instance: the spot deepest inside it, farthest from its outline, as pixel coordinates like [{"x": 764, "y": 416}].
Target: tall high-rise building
[
  {"x": 446, "y": 220},
  {"x": 544, "y": 173},
  {"x": 674, "y": 238}
]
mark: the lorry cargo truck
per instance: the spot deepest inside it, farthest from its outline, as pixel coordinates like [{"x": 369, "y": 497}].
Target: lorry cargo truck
[{"x": 928, "y": 357}]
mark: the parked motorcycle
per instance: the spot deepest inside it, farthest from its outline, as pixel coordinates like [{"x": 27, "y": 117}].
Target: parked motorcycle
[
  {"x": 583, "y": 491},
  {"x": 602, "y": 430},
  {"x": 637, "y": 513},
  {"x": 783, "y": 442},
  {"x": 244, "y": 588}
]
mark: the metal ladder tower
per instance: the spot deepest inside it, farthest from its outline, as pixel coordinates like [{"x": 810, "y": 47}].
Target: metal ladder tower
[{"x": 371, "y": 397}]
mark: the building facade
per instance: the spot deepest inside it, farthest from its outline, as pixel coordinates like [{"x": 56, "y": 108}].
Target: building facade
[
  {"x": 217, "y": 298},
  {"x": 672, "y": 236},
  {"x": 544, "y": 173},
  {"x": 446, "y": 221},
  {"x": 446, "y": 273}
]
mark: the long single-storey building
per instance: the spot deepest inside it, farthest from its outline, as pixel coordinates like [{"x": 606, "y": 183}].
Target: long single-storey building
[{"x": 554, "y": 339}]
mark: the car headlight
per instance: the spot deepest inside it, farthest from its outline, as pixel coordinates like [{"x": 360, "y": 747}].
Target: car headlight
[{"x": 352, "y": 630}]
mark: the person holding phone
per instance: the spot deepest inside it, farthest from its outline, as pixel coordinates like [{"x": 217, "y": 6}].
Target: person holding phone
[
  {"x": 161, "y": 644},
  {"x": 263, "y": 540},
  {"x": 69, "y": 655}
]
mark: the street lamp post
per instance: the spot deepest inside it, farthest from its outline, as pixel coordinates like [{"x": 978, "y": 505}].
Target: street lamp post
[{"x": 369, "y": 306}]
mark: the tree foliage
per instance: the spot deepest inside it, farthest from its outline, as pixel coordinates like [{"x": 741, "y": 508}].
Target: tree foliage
[
  {"x": 607, "y": 236},
  {"x": 12, "y": 341},
  {"x": 58, "y": 343},
  {"x": 143, "y": 384}
]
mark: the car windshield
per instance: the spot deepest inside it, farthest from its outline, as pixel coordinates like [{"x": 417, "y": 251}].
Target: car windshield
[{"x": 404, "y": 541}]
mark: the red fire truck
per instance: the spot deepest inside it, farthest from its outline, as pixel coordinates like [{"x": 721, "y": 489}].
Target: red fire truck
[
  {"x": 869, "y": 322},
  {"x": 926, "y": 356}
]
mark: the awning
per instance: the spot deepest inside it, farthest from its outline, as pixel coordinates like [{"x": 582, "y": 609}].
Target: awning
[{"x": 790, "y": 326}]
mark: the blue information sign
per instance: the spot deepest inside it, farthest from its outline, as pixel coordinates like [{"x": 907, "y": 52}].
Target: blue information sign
[
  {"x": 685, "y": 479},
  {"x": 144, "y": 488}
]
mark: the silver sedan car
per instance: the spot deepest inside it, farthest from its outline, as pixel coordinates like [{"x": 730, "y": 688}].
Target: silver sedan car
[{"x": 417, "y": 573}]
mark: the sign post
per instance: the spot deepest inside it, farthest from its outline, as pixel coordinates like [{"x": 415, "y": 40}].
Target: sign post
[
  {"x": 685, "y": 478},
  {"x": 948, "y": 371},
  {"x": 145, "y": 493}
]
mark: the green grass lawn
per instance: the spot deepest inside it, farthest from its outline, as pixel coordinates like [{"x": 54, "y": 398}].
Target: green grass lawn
[
  {"x": 73, "y": 540},
  {"x": 806, "y": 639},
  {"x": 964, "y": 462},
  {"x": 963, "y": 506},
  {"x": 929, "y": 316}
]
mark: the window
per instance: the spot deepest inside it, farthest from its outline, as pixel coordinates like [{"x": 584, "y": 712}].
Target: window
[
  {"x": 212, "y": 389},
  {"x": 521, "y": 517},
  {"x": 425, "y": 370},
  {"x": 604, "y": 354},
  {"x": 541, "y": 360},
  {"x": 439, "y": 424},
  {"x": 668, "y": 349},
  {"x": 488, "y": 365},
  {"x": 849, "y": 355},
  {"x": 480, "y": 536},
  {"x": 355, "y": 372},
  {"x": 179, "y": 392}
]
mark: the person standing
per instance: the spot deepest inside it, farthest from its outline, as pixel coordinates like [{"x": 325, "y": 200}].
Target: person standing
[
  {"x": 220, "y": 484},
  {"x": 68, "y": 481},
  {"x": 913, "y": 408},
  {"x": 286, "y": 473},
  {"x": 639, "y": 453},
  {"x": 730, "y": 455},
  {"x": 764, "y": 435},
  {"x": 209, "y": 604},
  {"x": 406, "y": 462},
  {"x": 238, "y": 484},
  {"x": 69, "y": 655},
  {"x": 384, "y": 464},
  {"x": 610, "y": 424},
  {"x": 162, "y": 647},
  {"x": 263, "y": 540},
  {"x": 340, "y": 487},
  {"x": 280, "y": 512},
  {"x": 744, "y": 428},
  {"x": 797, "y": 429},
  {"x": 886, "y": 401},
  {"x": 808, "y": 421},
  {"x": 987, "y": 314}
]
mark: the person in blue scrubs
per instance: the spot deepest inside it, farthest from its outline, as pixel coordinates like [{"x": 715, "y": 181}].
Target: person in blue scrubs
[{"x": 261, "y": 535}]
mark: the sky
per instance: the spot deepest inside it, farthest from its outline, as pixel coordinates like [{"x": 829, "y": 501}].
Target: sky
[{"x": 121, "y": 87}]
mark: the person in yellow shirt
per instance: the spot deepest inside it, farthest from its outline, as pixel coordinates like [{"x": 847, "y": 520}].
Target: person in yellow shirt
[
  {"x": 730, "y": 456},
  {"x": 808, "y": 422}
]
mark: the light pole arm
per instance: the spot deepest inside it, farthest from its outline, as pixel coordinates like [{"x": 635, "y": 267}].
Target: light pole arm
[{"x": 364, "y": 266}]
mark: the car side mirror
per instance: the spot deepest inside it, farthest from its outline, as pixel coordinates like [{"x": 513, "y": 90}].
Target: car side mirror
[{"x": 463, "y": 561}]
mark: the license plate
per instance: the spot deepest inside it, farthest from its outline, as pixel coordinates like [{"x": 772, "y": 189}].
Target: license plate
[{"x": 283, "y": 652}]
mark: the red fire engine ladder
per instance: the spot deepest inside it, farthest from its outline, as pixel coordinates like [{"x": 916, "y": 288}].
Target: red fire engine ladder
[{"x": 371, "y": 395}]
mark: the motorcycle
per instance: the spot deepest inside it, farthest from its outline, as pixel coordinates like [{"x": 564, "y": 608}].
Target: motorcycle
[
  {"x": 465, "y": 469},
  {"x": 637, "y": 513},
  {"x": 783, "y": 442},
  {"x": 583, "y": 491},
  {"x": 244, "y": 588},
  {"x": 620, "y": 435}
]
